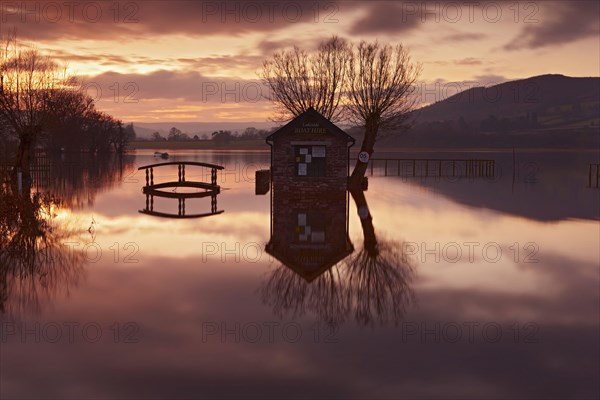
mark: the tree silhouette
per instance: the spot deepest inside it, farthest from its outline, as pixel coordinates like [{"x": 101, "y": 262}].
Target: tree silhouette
[{"x": 299, "y": 80}]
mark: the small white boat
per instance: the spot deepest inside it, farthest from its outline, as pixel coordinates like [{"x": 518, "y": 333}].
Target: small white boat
[{"x": 161, "y": 155}]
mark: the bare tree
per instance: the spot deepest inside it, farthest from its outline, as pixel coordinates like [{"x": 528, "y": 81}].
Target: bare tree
[
  {"x": 26, "y": 77},
  {"x": 298, "y": 80},
  {"x": 381, "y": 79}
]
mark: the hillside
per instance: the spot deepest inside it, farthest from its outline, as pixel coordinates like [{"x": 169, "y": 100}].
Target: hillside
[
  {"x": 549, "y": 96},
  {"x": 546, "y": 110}
]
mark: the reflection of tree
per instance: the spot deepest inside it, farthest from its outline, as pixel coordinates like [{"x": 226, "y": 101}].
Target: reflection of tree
[
  {"x": 378, "y": 283},
  {"x": 78, "y": 178},
  {"x": 371, "y": 285},
  {"x": 378, "y": 275},
  {"x": 34, "y": 261},
  {"x": 291, "y": 295}
]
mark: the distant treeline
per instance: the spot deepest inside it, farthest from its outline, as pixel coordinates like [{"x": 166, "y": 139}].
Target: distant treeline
[{"x": 221, "y": 137}]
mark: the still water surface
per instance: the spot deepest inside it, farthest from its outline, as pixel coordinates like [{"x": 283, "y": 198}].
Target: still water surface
[{"x": 488, "y": 288}]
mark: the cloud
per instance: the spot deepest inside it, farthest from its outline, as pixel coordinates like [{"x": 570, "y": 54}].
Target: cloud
[
  {"x": 490, "y": 79},
  {"x": 386, "y": 18},
  {"x": 568, "y": 22},
  {"x": 464, "y": 36},
  {"x": 184, "y": 85},
  {"x": 178, "y": 95},
  {"x": 216, "y": 64},
  {"x": 268, "y": 47},
  {"x": 463, "y": 61},
  {"x": 140, "y": 19}
]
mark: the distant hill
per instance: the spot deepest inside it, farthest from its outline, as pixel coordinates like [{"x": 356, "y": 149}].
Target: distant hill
[
  {"x": 554, "y": 98},
  {"x": 545, "y": 110}
]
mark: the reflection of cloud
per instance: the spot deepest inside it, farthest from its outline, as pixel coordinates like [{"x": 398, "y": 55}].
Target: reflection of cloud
[
  {"x": 182, "y": 296},
  {"x": 569, "y": 21},
  {"x": 570, "y": 297}
]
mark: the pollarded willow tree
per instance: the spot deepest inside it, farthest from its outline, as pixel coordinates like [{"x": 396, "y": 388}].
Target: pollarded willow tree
[
  {"x": 381, "y": 79},
  {"x": 369, "y": 85},
  {"x": 299, "y": 80}
]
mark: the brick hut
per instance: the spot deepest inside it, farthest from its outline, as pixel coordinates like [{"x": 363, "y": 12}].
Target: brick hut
[
  {"x": 309, "y": 201},
  {"x": 309, "y": 154}
]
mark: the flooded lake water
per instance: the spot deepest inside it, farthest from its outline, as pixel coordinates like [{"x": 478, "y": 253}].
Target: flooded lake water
[{"x": 482, "y": 287}]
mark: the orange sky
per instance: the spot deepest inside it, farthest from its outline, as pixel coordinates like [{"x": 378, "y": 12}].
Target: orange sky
[{"x": 161, "y": 61}]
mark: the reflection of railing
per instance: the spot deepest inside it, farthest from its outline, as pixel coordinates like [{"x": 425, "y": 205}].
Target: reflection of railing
[
  {"x": 152, "y": 189},
  {"x": 40, "y": 169},
  {"x": 434, "y": 167},
  {"x": 594, "y": 176}
]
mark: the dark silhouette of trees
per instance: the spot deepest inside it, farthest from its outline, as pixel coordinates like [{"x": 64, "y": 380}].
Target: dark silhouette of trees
[
  {"x": 67, "y": 109},
  {"x": 176, "y": 135},
  {"x": 222, "y": 137},
  {"x": 156, "y": 136}
]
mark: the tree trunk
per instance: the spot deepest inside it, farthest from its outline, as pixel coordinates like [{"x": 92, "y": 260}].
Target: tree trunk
[
  {"x": 23, "y": 160},
  {"x": 368, "y": 144},
  {"x": 366, "y": 220}
]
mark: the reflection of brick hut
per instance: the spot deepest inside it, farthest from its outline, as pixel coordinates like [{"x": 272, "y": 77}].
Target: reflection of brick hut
[
  {"x": 309, "y": 234},
  {"x": 309, "y": 207}
]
